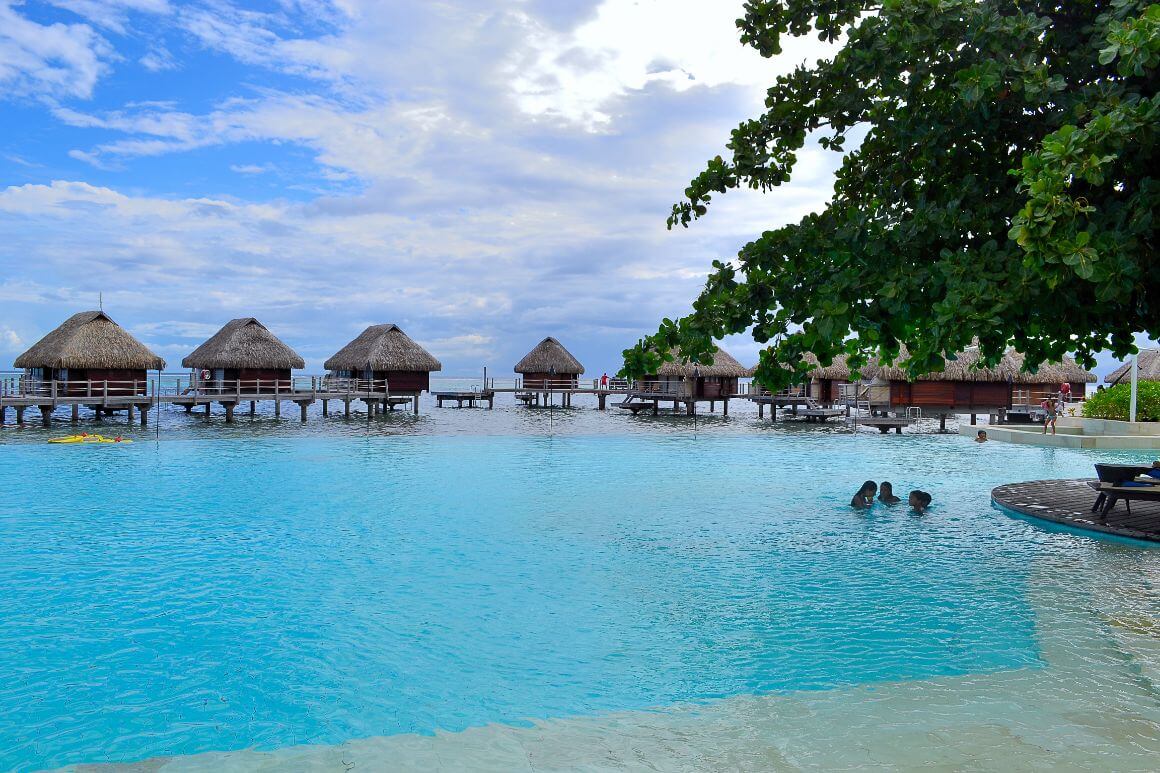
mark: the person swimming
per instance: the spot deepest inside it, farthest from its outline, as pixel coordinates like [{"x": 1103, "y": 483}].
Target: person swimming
[
  {"x": 886, "y": 494},
  {"x": 919, "y": 501},
  {"x": 981, "y": 437},
  {"x": 865, "y": 496}
]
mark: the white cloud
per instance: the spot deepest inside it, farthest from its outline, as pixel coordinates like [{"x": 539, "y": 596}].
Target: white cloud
[
  {"x": 158, "y": 59},
  {"x": 10, "y": 341},
  {"x": 632, "y": 44},
  {"x": 48, "y": 60}
]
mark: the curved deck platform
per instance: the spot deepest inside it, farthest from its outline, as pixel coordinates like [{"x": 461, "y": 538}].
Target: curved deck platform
[{"x": 1068, "y": 503}]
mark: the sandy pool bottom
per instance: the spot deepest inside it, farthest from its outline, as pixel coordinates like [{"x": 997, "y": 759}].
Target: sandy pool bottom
[{"x": 1095, "y": 706}]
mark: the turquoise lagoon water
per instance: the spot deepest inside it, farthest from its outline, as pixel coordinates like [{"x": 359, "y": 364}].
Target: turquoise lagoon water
[{"x": 192, "y": 594}]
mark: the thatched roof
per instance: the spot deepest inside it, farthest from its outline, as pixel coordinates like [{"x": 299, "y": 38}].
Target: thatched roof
[
  {"x": 243, "y": 343},
  {"x": 90, "y": 339},
  {"x": 723, "y": 365},
  {"x": 549, "y": 354},
  {"x": 383, "y": 347},
  {"x": 1051, "y": 372},
  {"x": 838, "y": 370},
  {"x": 1148, "y": 368},
  {"x": 964, "y": 368}
]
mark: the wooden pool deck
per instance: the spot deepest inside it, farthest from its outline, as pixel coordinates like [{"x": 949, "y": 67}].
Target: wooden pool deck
[{"x": 1069, "y": 502}]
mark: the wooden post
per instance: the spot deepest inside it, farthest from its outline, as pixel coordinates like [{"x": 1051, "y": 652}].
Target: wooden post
[
  {"x": 76, "y": 413},
  {"x": 19, "y": 414},
  {"x": 46, "y": 415},
  {"x": 898, "y": 429},
  {"x": 325, "y": 408},
  {"x": 144, "y": 411},
  {"x": 346, "y": 402},
  {"x": 725, "y": 407},
  {"x": 942, "y": 423},
  {"x": 207, "y": 407},
  {"x": 129, "y": 411},
  {"x": 253, "y": 407},
  {"x": 761, "y": 410},
  {"x": 972, "y": 419},
  {"x": 277, "y": 407},
  {"x": 3, "y": 414},
  {"x": 602, "y": 397},
  {"x": 303, "y": 405},
  {"x": 416, "y": 404}
]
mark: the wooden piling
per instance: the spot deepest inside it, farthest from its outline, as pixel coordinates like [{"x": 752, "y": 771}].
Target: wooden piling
[
  {"x": 415, "y": 403},
  {"x": 76, "y": 413},
  {"x": 19, "y": 413},
  {"x": 253, "y": 407},
  {"x": 230, "y": 412},
  {"x": 325, "y": 408},
  {"x": 46, "y": 415}
]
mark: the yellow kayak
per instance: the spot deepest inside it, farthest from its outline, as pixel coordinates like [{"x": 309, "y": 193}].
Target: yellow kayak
[{"x": 87, "y": 438}]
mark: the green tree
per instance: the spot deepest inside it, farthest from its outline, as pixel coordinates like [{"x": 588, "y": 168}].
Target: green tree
[{"x": 1004, "y": 189}]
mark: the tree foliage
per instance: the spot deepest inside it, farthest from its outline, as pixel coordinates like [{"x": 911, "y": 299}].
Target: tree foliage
[
  {"x": 1115, "y": 402},
  {"x": 1004, "y": 189}
]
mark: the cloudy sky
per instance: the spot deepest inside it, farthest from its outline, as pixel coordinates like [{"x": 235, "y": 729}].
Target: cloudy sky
[{"x": 481, "y": 173}]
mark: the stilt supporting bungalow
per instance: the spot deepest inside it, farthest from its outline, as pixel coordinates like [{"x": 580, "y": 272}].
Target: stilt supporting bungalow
[
  {"x": 685, "y": 384},
  {"x": 386, "y": 364},
  {"x": 243, "y": 358},
  {"x": 547, "y": 370},
  {"x": 89, "y": 360}
]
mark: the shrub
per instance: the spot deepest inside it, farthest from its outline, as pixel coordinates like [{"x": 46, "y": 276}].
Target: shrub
[{"x": 1112, "y": 403}]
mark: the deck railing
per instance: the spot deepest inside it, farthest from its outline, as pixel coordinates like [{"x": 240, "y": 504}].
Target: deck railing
[{"x": 176, "y": 385}]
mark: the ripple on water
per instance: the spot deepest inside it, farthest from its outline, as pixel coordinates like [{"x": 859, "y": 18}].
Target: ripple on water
[{"x": 187, "y": 597}]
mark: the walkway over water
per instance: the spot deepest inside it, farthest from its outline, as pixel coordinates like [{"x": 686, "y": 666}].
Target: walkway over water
[{"x": 1069, "y": 502}]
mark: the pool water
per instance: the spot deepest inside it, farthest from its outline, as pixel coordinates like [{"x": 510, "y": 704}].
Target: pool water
[{"x": 189, "y": 596}]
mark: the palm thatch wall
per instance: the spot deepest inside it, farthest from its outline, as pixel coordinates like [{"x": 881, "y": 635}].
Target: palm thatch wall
[
  {"x": 90, "y": 340},
  {"x": 723, "y": 365},
  {"x": 244, "y": 343},
  {"x": 383, "y": 348},
  {"x": 549, "y": 356},
  {"x": 1148, "y": 368}
]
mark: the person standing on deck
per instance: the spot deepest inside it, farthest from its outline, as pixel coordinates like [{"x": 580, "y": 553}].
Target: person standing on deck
[
  {"x": 1050, "y": 410},
  {"x": 604, "y": 382}
]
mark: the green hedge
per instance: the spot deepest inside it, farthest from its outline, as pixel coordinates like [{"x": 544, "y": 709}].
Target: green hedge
[{"x": 1112, "y": 403}]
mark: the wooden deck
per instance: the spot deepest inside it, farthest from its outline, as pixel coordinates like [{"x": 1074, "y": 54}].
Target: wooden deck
[{"x": 1068, "y": 502}]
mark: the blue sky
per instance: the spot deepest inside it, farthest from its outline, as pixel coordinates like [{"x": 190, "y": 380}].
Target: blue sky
[{"x": 481, "y": 173}]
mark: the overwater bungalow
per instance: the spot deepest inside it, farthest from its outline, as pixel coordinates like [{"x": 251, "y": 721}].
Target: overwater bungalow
[
  {"x": 384, "y": 358},
  {"x": 244, "y": 357},
  {"x": 549, "y": 364},
  {"x": 89, "y": 355},
  {"x": 713, "y": 380},
  {"x": 826, "y": 381},
  {"x": 1147, "y": 368},
  {"x": 963, "y": 387}
]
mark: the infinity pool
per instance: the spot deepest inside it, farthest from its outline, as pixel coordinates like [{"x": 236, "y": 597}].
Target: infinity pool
[{"x": 181, "y": 597}]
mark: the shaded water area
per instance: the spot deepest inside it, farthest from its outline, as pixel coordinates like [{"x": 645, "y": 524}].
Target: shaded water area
[{"x": 550, "y": 588}]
